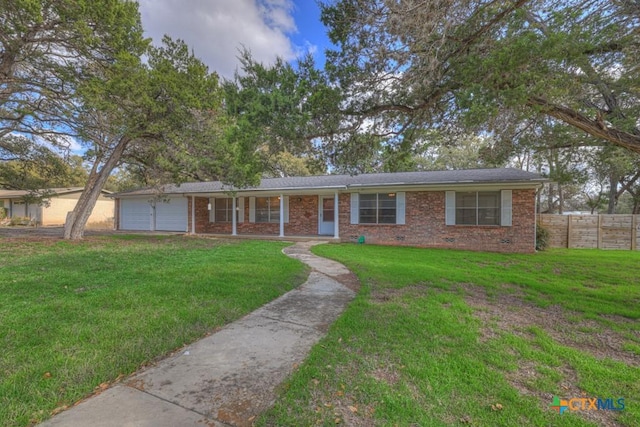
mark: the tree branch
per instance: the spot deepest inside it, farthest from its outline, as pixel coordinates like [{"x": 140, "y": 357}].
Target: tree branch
[{"x": 593, "y": 127}]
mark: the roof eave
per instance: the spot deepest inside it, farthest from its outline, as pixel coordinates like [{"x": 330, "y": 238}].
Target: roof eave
[
  {"x": 434, "y": 186},
  {"x": 438, "y": 185}
]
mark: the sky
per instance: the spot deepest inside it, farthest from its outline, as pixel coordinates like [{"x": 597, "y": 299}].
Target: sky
[{"x": 217, "y": 29}]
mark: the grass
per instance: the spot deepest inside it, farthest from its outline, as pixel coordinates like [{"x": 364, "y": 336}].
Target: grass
[
  {"x": 411, "y": 349},
  {"x": 78, "y": 315}
]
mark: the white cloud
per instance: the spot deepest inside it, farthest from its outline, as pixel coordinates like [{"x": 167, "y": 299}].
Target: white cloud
[
  {"x": 62, "y": 145},
  {"x": 72, "y": 145},
  {"x": 217, "y": 29},
  {"x": 307, "y": 48}
]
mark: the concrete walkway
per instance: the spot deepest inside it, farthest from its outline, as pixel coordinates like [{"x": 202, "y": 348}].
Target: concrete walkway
[{"x": 230, "y": 377}]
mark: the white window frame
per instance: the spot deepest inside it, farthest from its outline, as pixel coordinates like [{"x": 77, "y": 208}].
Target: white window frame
[
  {"x": 273, "y": 211},
  {"x": 504, "y": 208},
  {"x": 228, "y": 210},
  {"x": 356, "y": 208},
  {"x": 239, "y": 209}
]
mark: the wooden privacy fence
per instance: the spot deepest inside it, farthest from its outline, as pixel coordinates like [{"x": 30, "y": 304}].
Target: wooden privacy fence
[{"x": 592, "y": 231}]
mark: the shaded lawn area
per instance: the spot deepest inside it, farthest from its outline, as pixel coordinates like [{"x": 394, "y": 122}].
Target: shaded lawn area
[
  {"x": 75, "y": 316},
  {"x": 442, "y": 337}
]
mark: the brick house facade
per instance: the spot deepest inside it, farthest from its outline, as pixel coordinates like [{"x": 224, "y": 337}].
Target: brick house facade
[{"x": 484, "y": 209}]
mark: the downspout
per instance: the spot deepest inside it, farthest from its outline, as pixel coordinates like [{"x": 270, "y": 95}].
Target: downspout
[
  {"x": 535, "y": 222},
  {"x": 281, "y": 215},
  {"x": 234, "y": 218},
  {"x": 336, "y": 216},
  {"x": 535, "y": 225}
]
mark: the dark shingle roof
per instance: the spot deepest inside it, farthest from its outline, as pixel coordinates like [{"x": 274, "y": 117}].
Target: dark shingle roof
[{"x": 471, "y": 176}]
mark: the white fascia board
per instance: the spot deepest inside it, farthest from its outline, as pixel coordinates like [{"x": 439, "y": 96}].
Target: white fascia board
[
  {"x": 298, "y": 191},
  {"x": 328, "y": 190},
  {"x": 149, "y": 196},
  {"x": 458, "y": 186}
]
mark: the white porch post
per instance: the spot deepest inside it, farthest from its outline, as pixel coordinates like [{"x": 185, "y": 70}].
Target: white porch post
[
  {"x": 234, "y": 217},
  {"x": 336, "y": 216},
  {"x": 193, "y": 214},
  {"x": 281, "y": 215}
]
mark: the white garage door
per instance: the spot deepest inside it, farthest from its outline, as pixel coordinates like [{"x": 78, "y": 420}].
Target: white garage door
[
  {"x": 135, "y": 215},
  {"x": 171, "y": 214}
]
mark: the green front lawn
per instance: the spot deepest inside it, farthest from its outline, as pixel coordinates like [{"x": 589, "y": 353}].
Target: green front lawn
[
  {"x": 74, "y": 316},
  {"x": 441, "y": 337}
]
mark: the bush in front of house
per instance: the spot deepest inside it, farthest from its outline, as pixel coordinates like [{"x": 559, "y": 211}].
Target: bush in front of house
[
  {"x": 542, "y": 237},
  {"x": 20, "y": 220}
]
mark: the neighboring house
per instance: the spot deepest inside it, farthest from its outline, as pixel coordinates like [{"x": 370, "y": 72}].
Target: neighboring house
[
  {"x": 482, "y": 209},
  {"x": 55, "y": 211}
]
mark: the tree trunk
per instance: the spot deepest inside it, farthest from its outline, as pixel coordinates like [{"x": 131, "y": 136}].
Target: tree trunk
[
  {"x": 77, "y": 220},
  {"x": 551, "y": 199},
  {"x": 635, "y": 196},
  {"x": 593, "y": 127},
  {"x": 560, "y": 200},
  {"x": 613, "y": 192}
]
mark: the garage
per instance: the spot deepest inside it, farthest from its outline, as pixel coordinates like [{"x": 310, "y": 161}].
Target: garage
[
  {"x": 171, "y": 214},
  {"x": 136, "y": 214},
  {"x": 161, "y": 215}
]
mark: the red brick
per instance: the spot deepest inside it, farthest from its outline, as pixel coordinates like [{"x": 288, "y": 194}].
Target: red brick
[{"x": 424, "y": 224}]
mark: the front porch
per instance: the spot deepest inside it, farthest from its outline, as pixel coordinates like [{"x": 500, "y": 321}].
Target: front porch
[
  {"x": 327, "y": 239},
  {"x": 266, "y": 215}
]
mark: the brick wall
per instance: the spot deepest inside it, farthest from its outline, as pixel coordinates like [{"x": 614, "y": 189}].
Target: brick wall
[
  {"x": 303, "y": 216},
  {"x": 424, "y": 224},
  {"x": 303, "y": 219}
]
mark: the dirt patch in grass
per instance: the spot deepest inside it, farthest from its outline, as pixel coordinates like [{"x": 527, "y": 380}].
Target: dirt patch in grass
[
  {"x": 524, "y": 377},
  {"x": 384, "y": 295},
  {"x": 343, "y": 411},
  {"x": 387, "y": 375},
  {"x": 39, "y": 234},
  {"x": 509, "y": 312},
  {"x": 354, "y": 416},
  {"x": 350, "y": 280}
]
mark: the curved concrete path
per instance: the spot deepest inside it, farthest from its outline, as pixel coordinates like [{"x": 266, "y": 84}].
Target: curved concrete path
[{"x": 230, "y": 377}]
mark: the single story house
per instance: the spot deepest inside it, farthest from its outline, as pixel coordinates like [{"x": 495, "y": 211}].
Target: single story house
[
  {"x": 480, "y": 209},
  {"x": 54, "y": 213}
]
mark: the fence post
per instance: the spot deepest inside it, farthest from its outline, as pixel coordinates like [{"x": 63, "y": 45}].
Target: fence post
[
  {"x": 634, "y": 231},
  {"x": 568, "y": 231},
  {"x": 599, "y": 244}
]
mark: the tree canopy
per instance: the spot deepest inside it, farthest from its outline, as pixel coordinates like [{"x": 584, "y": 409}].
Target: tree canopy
[
  {"x": 165, "y": 114},
  {"x": 278, "y": 112},
  {"x": 48, "y": 47},
  {"x": 82, "y": 70},
  {"x": 403, "y": 66}
]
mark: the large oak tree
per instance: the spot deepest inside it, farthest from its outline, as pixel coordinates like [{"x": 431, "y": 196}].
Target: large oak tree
[
  {"x": 407, "y": 65},
  {"x": 47, "y": 47},
  {"x": 81, "y": 70}
]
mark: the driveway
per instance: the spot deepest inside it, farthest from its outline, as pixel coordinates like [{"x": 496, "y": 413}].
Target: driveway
[{"x": 36, "y": 233}]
